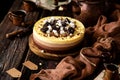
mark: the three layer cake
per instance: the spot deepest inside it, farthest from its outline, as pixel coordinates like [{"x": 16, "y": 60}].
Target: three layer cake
[{"x": 58, "y": 34}]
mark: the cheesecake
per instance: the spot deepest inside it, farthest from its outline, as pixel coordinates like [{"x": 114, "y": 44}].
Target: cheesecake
[{"x": 57, "y": 34}]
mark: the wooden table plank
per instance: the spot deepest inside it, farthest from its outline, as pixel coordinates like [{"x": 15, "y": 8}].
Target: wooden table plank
[{"x": 13, "y": 51}]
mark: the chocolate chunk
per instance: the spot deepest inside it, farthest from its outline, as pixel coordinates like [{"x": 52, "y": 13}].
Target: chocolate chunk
[
  {"x": 71, "y": 30},
  {"x": 64, "y": 24},
  {"x": 53, "y": 22},
  {"x": 44, "y": 29},
  {"x": 67, "y": 20},
  {"x": 58, "y": 26},
  {"x": 46, "y": 24}
]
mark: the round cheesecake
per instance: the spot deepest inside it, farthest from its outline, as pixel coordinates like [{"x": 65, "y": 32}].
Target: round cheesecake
[{"x": 58, "y": 33}]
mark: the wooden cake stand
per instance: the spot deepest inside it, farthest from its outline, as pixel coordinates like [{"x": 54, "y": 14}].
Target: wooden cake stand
[{"x": 47, "y": 55}]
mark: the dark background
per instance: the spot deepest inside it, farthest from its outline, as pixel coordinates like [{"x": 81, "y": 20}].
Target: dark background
[
  {"x": 4, "y": 7},
  {"x": 6, "y": 4}
]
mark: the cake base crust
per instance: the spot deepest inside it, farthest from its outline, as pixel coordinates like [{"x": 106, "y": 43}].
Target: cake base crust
[{"x": 34, "y": 48}]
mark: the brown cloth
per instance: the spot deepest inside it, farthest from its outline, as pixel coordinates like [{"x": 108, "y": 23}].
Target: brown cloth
[
  {"x": 103, "y": 28},
  {"x": 79, "y": 67}
]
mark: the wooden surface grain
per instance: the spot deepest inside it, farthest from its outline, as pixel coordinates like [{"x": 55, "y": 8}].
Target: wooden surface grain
[{"x": 15, "y": 51}]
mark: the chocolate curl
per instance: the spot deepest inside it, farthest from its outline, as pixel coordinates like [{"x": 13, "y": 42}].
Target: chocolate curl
[{"x": 14, "y": 33}]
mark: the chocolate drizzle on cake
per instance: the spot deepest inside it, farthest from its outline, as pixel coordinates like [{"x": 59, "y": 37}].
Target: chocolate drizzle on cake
[{"x": 59, "y": 27}]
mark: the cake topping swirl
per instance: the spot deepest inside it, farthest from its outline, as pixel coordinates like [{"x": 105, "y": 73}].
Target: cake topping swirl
[{"x": 58, "y": 27}]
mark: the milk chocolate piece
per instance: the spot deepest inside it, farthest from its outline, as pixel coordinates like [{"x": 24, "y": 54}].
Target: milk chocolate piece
[{"x": 13, "y": 72}]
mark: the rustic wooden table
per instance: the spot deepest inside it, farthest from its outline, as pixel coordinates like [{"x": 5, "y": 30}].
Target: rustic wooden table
[{"x": 15, "y": 51}]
